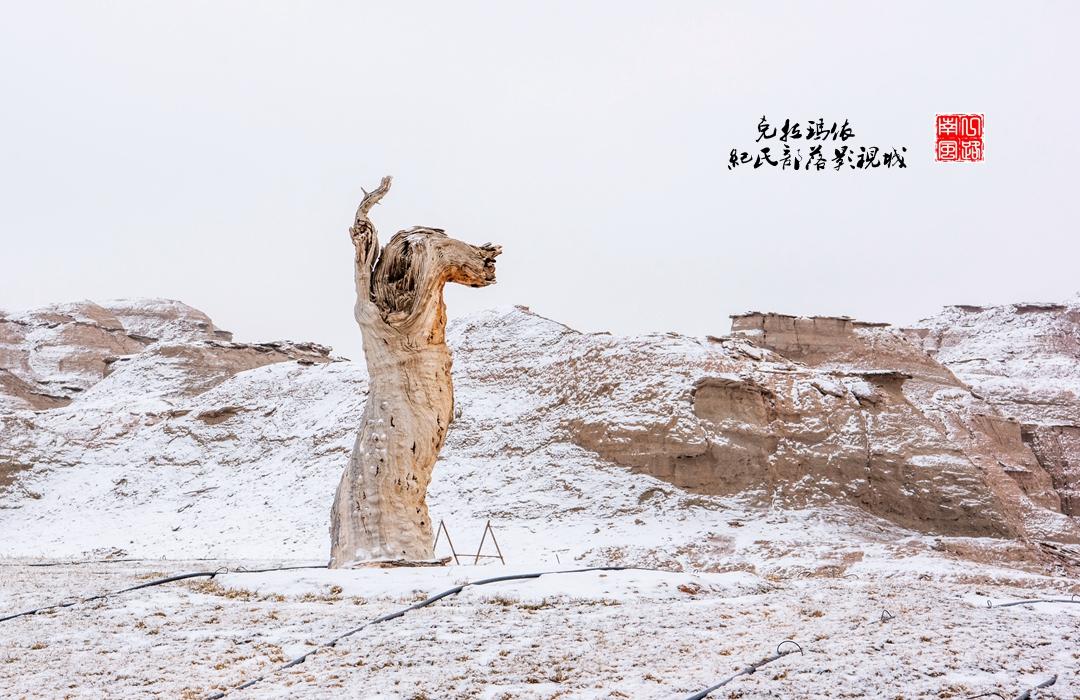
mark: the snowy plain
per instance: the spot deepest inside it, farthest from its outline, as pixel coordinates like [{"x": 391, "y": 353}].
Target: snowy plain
[{"x": 632, "y": 634}]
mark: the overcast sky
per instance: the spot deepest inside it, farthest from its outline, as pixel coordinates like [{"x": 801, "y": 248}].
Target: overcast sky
[{"x": 214, "y": 153}]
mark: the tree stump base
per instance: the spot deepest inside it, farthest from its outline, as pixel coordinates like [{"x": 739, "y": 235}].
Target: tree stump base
[{"x": 395, "y": 563}]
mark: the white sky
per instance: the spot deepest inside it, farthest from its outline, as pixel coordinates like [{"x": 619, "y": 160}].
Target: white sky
[{"x": 214, "y": 152}]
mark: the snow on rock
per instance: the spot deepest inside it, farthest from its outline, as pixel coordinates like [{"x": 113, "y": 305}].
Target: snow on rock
[
  {"x": 1024, "y": 359},
  {"x": 164, "y": 319},
  {"x": 716, "y": 454},
  {"x": 51, "y": 354},
  {"x": 60, "y": 350}
]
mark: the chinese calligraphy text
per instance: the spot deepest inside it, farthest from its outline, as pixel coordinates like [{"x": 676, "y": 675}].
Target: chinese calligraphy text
[{"x": 813, "y": 145}]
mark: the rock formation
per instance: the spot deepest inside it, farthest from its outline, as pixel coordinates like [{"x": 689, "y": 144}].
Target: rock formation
[
  {"x": 58, "y": 351},
  {"x": 800, "y": 410},
  {"x": 196, "y": 439},
  {"x": 925, "y": 423},
  {"x": 1023, "y": 359},
  {"x": 116, "y": 359},
  {"x": 380, "y": 509}
]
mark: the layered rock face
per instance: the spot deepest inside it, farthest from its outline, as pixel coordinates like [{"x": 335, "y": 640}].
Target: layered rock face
[
  {"x": 50, "y": 355},
  {"x": 927, "y": 399},
  {"x": 192, "y": 433},
  {"x": 108, "y": 359},
  {"x": 864, "y": 417},
  {"x": 1024, "y": 359},
  {"x": 800, "y": 409}
]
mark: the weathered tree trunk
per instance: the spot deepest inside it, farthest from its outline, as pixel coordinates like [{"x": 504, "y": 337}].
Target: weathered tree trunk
[{"x": 380, "y": 510}]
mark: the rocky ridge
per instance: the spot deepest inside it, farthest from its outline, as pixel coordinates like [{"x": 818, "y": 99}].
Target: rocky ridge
[
  {"x": 1024, "y": 359},
  {"x": 140, "y": 425}
]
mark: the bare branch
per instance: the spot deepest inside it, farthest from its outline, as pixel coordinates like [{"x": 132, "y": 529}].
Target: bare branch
[
  {"x": 371, "y": 199},
  {"x": 366, "y": 240}
]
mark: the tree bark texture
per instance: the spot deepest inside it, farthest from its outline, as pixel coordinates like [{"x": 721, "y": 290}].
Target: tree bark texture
[{"x": 380, "y": 509}]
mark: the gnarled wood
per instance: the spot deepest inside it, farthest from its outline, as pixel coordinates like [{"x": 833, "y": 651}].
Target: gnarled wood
[{"x": 380, "y": 510}]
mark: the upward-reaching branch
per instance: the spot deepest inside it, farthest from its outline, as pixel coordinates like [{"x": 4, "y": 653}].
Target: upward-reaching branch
[
  {"x": 371, "y": 199},
  {"x": 366, "y": 240}
]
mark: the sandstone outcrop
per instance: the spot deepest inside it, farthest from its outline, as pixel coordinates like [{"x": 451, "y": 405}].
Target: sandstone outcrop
[
  {"x": 1023, "y": 359},
  {"x": 938, "y": 404},
  {"x": 191, "y": 435},
  {"x": 797, "y": 410},
  {"x": 164, "y": 319},
  {"x": 51, "y": 354},
  {"x": 89, "y": 356}
]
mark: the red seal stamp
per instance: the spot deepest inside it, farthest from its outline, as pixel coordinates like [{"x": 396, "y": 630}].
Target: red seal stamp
[{"x": 959, "y": 138}]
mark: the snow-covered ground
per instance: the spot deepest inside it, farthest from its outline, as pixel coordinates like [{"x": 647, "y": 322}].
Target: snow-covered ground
[{"x": 879, "y": 632}]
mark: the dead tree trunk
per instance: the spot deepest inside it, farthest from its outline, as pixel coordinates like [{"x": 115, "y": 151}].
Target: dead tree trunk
[{"x": 380, "y": 510}]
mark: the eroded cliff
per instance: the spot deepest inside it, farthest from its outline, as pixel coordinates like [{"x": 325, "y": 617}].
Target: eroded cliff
[{"x": 146, "y": 413}]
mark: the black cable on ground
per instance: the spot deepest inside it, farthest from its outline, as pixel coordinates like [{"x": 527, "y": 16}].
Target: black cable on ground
[
  {"x": 749, "y": 669},
  {"x": 1030, "y": 692},
  {"x": 416, "y": 606},
  {"x": 82, "y": 562},
  {"x": 69, "y": 603},
  {"x": 148, "y": 584}
]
